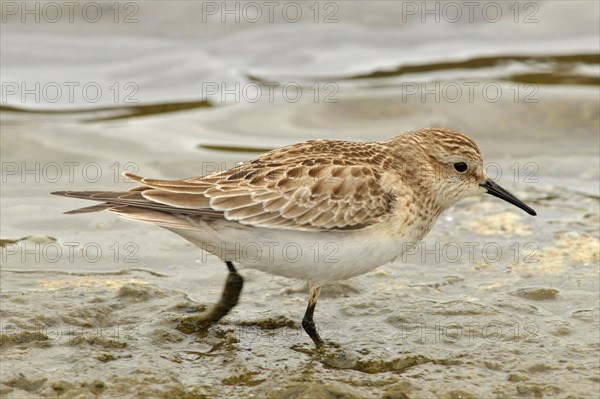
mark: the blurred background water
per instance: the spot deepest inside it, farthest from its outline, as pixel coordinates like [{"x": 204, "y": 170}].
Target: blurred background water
[{"x": 180, "y": 88}]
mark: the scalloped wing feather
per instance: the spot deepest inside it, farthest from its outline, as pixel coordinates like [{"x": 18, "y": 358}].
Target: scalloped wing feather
[
  {"x": 316, "y": 185},
  {"x": 319, "y": 197}
]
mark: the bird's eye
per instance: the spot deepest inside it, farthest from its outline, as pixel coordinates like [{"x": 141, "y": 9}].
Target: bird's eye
[{"x": 460, "y": 167}]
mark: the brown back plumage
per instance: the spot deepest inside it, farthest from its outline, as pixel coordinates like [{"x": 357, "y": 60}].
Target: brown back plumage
[{"x": 314, "y": 185}]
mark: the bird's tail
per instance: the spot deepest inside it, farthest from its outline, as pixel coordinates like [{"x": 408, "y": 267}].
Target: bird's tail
[{"x": 88, "y": 195}]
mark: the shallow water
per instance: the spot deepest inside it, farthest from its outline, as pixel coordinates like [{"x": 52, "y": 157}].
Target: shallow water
[{"x": 493, "y": 303}]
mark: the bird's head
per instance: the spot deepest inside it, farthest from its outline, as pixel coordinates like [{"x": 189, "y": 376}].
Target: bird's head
[{"x": 449, "y": 165}]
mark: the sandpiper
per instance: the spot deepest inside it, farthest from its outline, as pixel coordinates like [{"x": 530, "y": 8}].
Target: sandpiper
[{"x": 319, "y": 211}]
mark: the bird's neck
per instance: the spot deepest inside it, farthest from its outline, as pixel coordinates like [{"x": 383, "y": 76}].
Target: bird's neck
[
  {"x": 415, "y": 209},
  {"x": 415, "y": 219}
]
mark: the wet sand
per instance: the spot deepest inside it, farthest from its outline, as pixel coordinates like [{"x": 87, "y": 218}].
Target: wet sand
[{"x": 493, "y": 304}]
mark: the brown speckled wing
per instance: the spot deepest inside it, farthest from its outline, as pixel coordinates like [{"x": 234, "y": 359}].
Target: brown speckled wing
[{"x": 316, "y": 185}]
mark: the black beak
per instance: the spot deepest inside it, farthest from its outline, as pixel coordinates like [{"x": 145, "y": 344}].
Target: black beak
[{"x": 497, "y": 191}]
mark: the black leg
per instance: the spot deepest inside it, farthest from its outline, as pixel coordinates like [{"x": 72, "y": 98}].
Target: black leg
[
  {"x": 307, "y": 322},
  {"x": 229, "y": 298}
]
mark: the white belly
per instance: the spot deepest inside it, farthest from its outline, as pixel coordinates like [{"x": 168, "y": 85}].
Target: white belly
[{"x": 311, "y": 256}]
